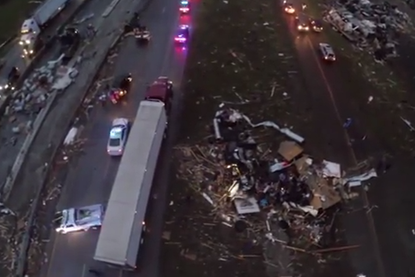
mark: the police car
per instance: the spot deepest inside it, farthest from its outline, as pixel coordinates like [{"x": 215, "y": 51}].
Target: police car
[
  {"x": 184, "y": 7},
  {"x": 79, "y": 219},
  {"x": 118, "y": 137},
  {"x": 182, "y": 34},
  {"x": 327, "y": 52}
]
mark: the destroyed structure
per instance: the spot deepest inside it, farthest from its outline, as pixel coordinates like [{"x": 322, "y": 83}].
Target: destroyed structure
[
  {"x": 371, "y": 26},
  {"x": 37, "y": 89},
  {"x": 245, "y": 182}
]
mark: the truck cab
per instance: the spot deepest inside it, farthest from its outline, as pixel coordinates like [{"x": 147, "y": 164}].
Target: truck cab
[{"x": 161, "y": 90}]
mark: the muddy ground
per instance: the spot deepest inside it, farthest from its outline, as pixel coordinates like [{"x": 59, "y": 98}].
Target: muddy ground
[{"x": 243, "y": 54}]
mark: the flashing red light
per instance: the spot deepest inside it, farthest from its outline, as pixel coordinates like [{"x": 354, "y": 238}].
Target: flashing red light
[
  {"x": 179, "y": 39},
  {"x": 185, "y": 10}
]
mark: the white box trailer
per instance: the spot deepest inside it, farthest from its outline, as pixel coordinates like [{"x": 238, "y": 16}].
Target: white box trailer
[
  {"x": 121, "y": 233},
  {"x": 47, "y": 10}
]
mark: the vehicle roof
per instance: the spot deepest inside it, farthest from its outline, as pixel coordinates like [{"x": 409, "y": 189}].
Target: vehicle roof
[
  {"x": 82, "y": 215},
  {"x": 157, "y": 89},
  {"x": 327, "y": 47},
  {"x": 116, "y": 132},
  {"x": 28, "y": 36},
  {"x": 119, "y": 121}
]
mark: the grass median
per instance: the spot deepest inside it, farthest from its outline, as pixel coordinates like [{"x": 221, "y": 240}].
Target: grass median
[
  {"x": 12, "y": 13},
  {"x": 241, "y": 54}
]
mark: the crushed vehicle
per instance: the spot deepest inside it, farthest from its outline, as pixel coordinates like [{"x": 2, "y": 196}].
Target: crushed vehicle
[
  {"x": 161, "y": 90},
  {"x": 142, "y": 34},
  {"x": 12, "y": 79},
  {"x": 302, "y": 23},
  {"x": 316, "y": 25},
  {"x": 118, "y": 137},
  {"x": 182, "y": 34},
  {"x": 79, "y": 219},
  {"x": 184, "y": 7},
  {"x": 120, "y": 89},
  {"x": 327, "y": 52},
  {"x": 70, "y": 39}
]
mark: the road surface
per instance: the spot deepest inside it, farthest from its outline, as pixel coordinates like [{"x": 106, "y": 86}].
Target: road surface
[
  {"x": 8, "y": 150},
  {"x": 91, "y": 177},
  {"x": 335, "y": 94}
]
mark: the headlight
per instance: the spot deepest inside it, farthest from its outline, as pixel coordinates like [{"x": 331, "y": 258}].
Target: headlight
[
  {"x": 31, "y": 51},
  {"x": 6, "y": 86},
  {"x": 21, "y": 42}
]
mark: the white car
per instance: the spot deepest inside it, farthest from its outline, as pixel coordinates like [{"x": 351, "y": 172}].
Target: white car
[
  {"x": 118, "y": 137},
  {"x": 79, "y": 219},
  {"x": 327, "y": 52}
]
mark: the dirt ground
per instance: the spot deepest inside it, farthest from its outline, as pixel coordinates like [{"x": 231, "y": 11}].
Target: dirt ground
[{"x": 242, "y": 54}]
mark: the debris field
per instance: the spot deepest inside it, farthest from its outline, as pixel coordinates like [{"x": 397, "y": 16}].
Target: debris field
[{"x": 249, "y": 196}]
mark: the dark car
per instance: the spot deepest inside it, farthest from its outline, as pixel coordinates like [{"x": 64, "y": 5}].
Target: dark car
[
  {"x": 70, "y": 40},
  {"x": 302, "y": 23},
  {"x": 184, "y": 7},
  {"x": 161, "y": 90},
  {"x": 316, "y": 25},
  {"x": 120, "y": 88},
  {"x": 182, "y": 34},
  {"x": 12, "y": 78}
]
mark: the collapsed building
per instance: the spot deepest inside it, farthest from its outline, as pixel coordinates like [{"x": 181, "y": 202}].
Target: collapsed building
[
  {"x": 242, "y": 179},
  {"x": 376, "y": 27}
]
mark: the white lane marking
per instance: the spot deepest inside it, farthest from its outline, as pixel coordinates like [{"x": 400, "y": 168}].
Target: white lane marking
[{"x": 83, "y": 270}]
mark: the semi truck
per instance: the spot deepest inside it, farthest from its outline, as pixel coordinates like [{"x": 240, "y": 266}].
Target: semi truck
[
  {"x": 123, "y": 230},
  {"x": 32, "y": 28}
]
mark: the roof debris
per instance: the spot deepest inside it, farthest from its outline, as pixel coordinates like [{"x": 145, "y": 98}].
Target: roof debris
[{"x": 290, "y": 191}]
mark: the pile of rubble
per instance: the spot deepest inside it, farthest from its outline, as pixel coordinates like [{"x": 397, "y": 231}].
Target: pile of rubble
[
  {"x": 369, "y": 25},
  {"x": 243, "y": 180},
  {"x": 44, "y": 81}
]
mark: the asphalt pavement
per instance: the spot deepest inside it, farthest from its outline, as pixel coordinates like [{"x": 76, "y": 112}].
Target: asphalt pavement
[
  {"x": 11, "y": 143},
  {"x": 335, "y": 93},
  {"x": 91, "y": 176}
]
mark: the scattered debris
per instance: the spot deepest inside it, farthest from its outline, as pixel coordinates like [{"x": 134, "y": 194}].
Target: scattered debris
[
  {"x": 291, "y": 190},
  {"x": 370, "y": 26}
]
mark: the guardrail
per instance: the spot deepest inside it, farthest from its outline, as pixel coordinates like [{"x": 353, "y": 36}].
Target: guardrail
[{"x": 9, "y": 182}]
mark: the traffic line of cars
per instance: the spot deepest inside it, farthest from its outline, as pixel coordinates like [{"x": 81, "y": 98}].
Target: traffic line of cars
[
  {"x": 91, "y": 217},
  {"x": 305, "y": 24}
]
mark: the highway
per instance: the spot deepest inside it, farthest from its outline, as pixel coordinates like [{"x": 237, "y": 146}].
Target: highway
[
  {"x": 90, "y": 178},
  {"x": 335, "y": 93},
  {"x": 7, "y": 148},
  {"x": 14, "y": 55}
]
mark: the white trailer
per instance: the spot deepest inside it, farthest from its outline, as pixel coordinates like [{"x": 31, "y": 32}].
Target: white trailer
[{"x": 121, "y": 233}]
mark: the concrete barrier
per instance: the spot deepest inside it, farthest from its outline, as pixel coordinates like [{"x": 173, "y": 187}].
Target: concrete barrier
[
  {"x": 26, "y": 239},
  {"x": 7, "y": 42},
  {"x": 8, "y": 185}
]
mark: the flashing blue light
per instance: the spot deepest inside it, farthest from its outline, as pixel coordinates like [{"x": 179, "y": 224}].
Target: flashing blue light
[
  {"x": 116, "y": 132},
  {"x": 184, "y": 2}
]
